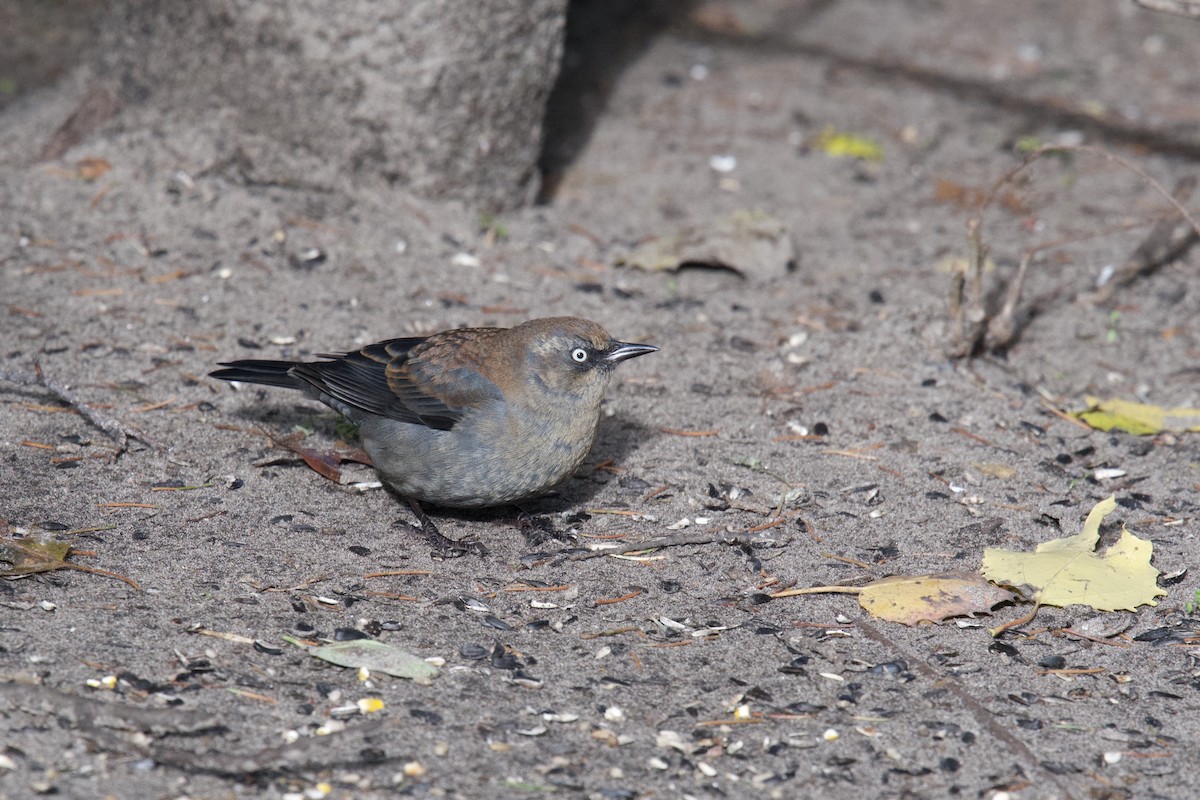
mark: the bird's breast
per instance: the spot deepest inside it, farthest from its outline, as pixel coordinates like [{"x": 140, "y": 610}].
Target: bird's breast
[{"x": 493, "y": 456}]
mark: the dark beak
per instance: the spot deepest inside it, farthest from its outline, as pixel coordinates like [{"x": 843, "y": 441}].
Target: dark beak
[{"x": 623, "y": 351}]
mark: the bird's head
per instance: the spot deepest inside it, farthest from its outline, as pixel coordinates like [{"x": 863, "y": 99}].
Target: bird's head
[{"x": 572, "y": 355}]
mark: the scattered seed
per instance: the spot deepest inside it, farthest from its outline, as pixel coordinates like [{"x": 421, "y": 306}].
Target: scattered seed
[
  {"x": 348, "y": 635},
  {"x": 671, "y": 740},
  {"x": 369, "y": 705},
  {"x": 331, "y": 727},
  {"x": 107, "y": 682},
  {"x": 342, "y": 712},
  {"x": 527, "y": 682},
  {"x": 471, "y": 604}
]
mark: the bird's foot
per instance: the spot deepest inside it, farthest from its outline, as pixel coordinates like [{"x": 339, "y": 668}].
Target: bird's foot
[{"x": 443, "y": 546}]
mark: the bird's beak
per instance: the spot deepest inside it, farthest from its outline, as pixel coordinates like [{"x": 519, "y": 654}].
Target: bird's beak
[{"x": 623, "y": 351}]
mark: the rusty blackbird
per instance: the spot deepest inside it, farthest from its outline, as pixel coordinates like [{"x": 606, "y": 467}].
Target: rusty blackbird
[{"x": 465, "y": 418}]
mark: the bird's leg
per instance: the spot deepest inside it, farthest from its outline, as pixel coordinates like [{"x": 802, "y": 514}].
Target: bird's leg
[{"x": 443, "y": 546}]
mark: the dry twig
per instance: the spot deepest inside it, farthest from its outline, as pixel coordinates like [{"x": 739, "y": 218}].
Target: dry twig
[
  {"x": 974, "y": 326},
  {"x": 117, "y": 430},
  {"x": 1185, "y": 8},
  {"x": 968, "y": 314},
  {"x": 743, "y": 538},
  {"x": 1166, "y": 242}
]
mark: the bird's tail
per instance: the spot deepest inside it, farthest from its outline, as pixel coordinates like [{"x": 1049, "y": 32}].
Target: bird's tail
[{"x": 269, "y": 373}]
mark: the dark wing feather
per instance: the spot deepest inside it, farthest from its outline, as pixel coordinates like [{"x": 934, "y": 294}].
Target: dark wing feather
[
  {"x": 268, "y": 373},
  {"x": 423, "y": 381},
  {"x": 392, "y": 379}
]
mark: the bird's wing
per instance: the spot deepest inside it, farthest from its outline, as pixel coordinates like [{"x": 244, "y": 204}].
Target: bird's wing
[
  {"x": 397, "y": 379},
  {"x": 444, "y": 376}
]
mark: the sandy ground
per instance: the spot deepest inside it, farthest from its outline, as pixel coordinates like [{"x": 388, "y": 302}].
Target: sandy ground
[{"x": 667, "y": 675}]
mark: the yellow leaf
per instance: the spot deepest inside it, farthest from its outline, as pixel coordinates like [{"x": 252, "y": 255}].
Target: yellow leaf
[
  {"x": 1140, "y": 419},
  {"x": 1068, "y": 571},
  {"x": 1001, "y": 471},
  {"x": 911, "y": 599},
  {"x": 848, "y": 145}
]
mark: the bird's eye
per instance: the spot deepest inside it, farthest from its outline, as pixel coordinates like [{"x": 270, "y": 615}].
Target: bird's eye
[{"x": 579, "y": 355}]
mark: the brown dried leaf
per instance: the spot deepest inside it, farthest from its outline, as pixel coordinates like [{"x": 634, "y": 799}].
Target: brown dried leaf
[
  {"x": 326, "y": 463},
  {"x": 751, "y": 243},
  {"x": 89, "y": 169},
  {"x": 29, "y": 557},
  {"x": 972, "y": 197}
]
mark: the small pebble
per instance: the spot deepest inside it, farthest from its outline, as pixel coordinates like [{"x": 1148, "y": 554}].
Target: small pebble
[{"x": 723, "y": 163}]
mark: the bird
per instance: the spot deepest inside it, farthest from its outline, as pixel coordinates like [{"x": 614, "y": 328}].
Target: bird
[{"x": 468, "y": 417}]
